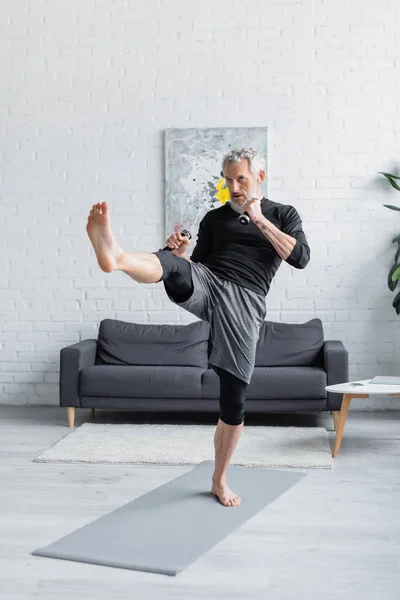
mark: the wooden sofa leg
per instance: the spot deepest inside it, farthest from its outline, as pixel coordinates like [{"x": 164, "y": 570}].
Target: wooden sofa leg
[{"x": 71, "y": 416}]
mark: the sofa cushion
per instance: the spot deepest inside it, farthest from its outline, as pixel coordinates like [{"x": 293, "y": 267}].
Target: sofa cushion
[
  {"x": 272, "y": 383},
  {"x": 141, "y": 382},
  {"x": 122, "y": 343},
  {"x": 290, "y": 344},
  {"x": 209, "y": 384}
]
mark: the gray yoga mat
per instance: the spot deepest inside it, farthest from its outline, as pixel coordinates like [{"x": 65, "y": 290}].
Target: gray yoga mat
[{"x": 170, "y": 527}]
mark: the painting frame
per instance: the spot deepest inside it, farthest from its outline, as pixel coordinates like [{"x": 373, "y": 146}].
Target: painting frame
[{"x": 194, "y": 183}]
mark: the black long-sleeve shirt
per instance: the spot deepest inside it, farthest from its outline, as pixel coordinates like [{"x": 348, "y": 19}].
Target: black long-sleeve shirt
[{"x": 242, "y": 253}]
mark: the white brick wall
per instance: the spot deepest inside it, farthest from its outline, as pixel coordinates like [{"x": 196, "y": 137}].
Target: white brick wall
[{"x": 87, "y": 89}]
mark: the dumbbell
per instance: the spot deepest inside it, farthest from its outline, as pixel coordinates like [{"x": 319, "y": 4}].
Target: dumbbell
[
  {"x": 244, "y": 218},
  {"x": 184, "y": 232}
]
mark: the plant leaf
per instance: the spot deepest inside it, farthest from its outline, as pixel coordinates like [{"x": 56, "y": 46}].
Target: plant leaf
[
  {"x": 391, "y": 206},
  {"x": 396, "y": 239},
  {"x": 392, "y": 284},
  {"x": 390, "y": 178},
  {"x": 396, "y": 274},
  {"x": 396, "y": 303},
  {"x": 389, "y": 175}
]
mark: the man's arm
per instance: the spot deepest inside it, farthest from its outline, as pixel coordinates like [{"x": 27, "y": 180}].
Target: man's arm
[
  {"x": 290, "y": 243},
  {"x": 185, "y": 256},
  {"x": 203, "y": 244}
]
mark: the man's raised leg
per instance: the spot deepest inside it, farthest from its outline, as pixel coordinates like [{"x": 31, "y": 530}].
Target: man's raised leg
[{"x": 143, "y": 267}]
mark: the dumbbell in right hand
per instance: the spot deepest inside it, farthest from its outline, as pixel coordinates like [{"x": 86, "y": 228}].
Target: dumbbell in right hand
[{"x": 184, "y": 232}]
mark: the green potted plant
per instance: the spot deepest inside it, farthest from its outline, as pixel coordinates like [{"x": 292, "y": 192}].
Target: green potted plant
[{"x": 394, "y": 273}]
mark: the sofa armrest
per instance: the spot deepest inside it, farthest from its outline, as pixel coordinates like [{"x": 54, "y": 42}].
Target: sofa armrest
[
  {"x": 336, "y": 362},
  {"x": 72, "y": 359}
]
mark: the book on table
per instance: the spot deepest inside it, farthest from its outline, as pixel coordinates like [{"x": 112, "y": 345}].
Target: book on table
[{"x": 385, "y": 380}]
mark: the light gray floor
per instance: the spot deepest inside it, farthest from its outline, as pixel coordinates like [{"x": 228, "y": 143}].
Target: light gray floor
[{"x": 336, "y": 532}]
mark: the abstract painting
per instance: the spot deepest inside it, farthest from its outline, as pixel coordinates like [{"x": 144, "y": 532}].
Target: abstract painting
[{"x": 194, "y": 184}]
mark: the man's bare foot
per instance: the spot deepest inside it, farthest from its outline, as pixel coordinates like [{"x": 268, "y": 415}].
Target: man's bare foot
[
  {"x": 225, "y": 494},
  {"x": 103, "y": 241}
]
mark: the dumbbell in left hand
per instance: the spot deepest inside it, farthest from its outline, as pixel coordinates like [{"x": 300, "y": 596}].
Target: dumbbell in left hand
[{"x": 244, "y": 218}]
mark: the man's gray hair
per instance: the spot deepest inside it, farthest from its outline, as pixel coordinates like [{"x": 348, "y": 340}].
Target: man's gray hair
[{"x": 256, "y": 161}]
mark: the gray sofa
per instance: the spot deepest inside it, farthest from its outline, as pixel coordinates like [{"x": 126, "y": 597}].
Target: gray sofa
[{"x": 148, "y": 367}]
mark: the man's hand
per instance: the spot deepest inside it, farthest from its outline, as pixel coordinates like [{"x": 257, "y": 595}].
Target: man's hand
[
  {"x": 253, "y": 209},
  {"x": 179, "y": 243}
]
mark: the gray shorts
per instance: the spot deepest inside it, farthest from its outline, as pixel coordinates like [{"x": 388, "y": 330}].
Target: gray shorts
[{"x": 235, "y": 315}]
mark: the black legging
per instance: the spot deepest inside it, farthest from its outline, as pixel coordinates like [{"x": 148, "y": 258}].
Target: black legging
[
  {"x": 231, "y": 397},
  {"x": 177, "y": 278},
  {"x": 177, "y": 275}
]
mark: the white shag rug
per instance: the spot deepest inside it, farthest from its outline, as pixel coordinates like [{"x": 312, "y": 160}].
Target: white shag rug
[{"x": 259, "y": 446}]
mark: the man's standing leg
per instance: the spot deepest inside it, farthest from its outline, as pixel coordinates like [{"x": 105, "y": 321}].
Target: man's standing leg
[
  {"x": 143, "y": 267},
  {"x": 228, "y": 432}
]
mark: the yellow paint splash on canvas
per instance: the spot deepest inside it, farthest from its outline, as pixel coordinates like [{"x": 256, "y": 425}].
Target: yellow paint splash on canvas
[{"x": 223, "y": 192}]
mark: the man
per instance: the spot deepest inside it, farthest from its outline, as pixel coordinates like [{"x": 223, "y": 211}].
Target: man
[{"x": 225, "y": 283}]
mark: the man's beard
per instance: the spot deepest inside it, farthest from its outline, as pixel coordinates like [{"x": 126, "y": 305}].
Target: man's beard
[{"x": 236, "y": 207}]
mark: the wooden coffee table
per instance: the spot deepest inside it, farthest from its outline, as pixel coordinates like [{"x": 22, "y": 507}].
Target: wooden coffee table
[{"x": 349, "y": 392}]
